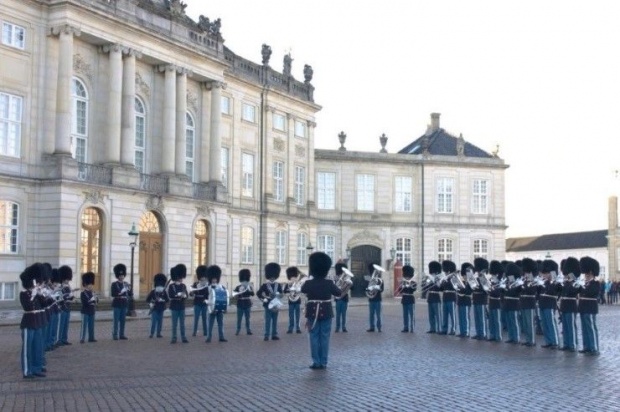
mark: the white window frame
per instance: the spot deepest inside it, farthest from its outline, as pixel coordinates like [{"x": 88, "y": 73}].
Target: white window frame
[
  {"x": 281, "y": 242},
  {"x": 300, "y": 185},
  {"x": 4, "y": 288},
  {"x": 445, "y": 195},
  {"x": 279, "y": 122},
  {"x": 224, "y": 157},
  {"x": 79, "y": 136},
  {"x": 302, "y": 252},
  {"x": 365, "y": 192},
  {"x": 327, "y": 245},
  {"x": 13, "y": 35},
  {"x": 247, "y": 245},
  {"x": 190, "y": 145},
  {"x": 278, "y": 181},
  {"x": 480, "y": 197},
  {"x": 248, "y": 113},
  {"x": 140, "y": 135},
  {"x": 11, "y": 113},
  {"x": 445, "y": 249},
  {"x": 481, "y": 248},
  {"x": 300, "y": 129},
  {"x": 404, "y": 250},
  {"x": 9, "y": 227},
  {"x": 225, "y": 105},
  {"x": 403, "y": 196},
  {"x": 247, "y": 172},
  {"x": 326, "y": 190}
]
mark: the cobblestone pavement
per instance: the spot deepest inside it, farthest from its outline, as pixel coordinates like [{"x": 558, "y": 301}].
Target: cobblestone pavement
[{"x": 388, "y": 371}]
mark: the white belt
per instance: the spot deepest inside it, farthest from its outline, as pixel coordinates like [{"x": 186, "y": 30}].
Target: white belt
[
  {"x": 528, "y": 296},
  {"x": 580, "y": 298}
]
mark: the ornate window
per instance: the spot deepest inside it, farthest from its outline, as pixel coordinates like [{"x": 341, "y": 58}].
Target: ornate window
[
  {"x": 365, "y": 193},
  {"x": 326, "y": 244},
  {"x": 445, "y": 193},
  {"x": 79, "y": 120},
  {"x": 300, "y": 128},
  {"x": 9, "y": 227},
  {"x": 326, "y": 190},
  {"x": 139, "y": 143},
  {"x": 149, "y": 223},
  {"x": 402, "y": 194},
  {"x": 480, "y": 196},
  {"x": 279, "y": 122},
  {"x": 281, "y": 238},
  {"x": 201, "y": 236},
  {"x": 444, "y": 250},
  {"x": 300, "y": 185},
  {"x": 403, "y": 250},
  {"x": 247, "y": 245},
  {"x": 278, "y": 181},
  {"x": 10, "y": 124},
  {"x": 90, "y": 241},
  {"x": 190, "y": 133}
]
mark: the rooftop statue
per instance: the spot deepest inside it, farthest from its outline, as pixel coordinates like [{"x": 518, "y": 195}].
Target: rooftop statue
[
  {"x": 288, "y": 61},
  {"x": 266, "y": 53},
  {"x": 308, "y": 73}
]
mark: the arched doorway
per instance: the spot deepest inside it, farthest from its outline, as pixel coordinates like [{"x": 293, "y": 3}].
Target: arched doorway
[
  {"x": 201, "y": 243},
  {"x": 90, "y": 245},
  {"x": 361, "y": 257},
  {"x": 150, "y": 258}
]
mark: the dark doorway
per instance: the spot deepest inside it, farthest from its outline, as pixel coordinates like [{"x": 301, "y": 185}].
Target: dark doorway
[{"x": 361, "y": 258}]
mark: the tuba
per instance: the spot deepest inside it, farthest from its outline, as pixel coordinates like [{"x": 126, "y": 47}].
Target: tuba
[
  {"x": 456, "y": 281},
  {"x": 485, "y": 284},
  {"x": 375, "y": 282},
  {"x": 295, "y": 287},
  {"x": 345, "y": 281}
]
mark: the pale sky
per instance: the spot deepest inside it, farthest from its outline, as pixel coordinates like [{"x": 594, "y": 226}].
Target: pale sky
[{"x": 540, "y": 78}]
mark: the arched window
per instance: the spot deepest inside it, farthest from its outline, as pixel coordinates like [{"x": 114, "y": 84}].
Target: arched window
[
  {"x": 403, "y": 250},
  {"x": 9, "y": 227},
  {"x": 79, "y": 120},
  {"x": 190, "y": 132},
  {"x": 201, "y": 235},
  {"x": 247, "y": 245},
  {"x": 90, "y": 243},
  {"x": 444, "y": 250},
  {"x": 140, "y": 138}
]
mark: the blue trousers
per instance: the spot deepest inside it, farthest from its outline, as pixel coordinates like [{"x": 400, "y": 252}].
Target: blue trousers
[
  {"x": 589, "y": 331},
  {"x": 319, "y": 341},
  {"x": 479, "y": 321},
  {"x": 38, "y": 342},
  {"x": 374, "y": 315},
  {"x": 200, "y": 313},
  {"x": 464, "y": 317},
  {"x": 341, "y": 314},
  {"x": 528, "y": 325},
  {"x": 119, "y": 321},
  {"x": 219, "y": 317},
  {"x": 241, "y": 313},
  {"x": 63, "y": 326},
  {"x": 271, "y": 323},
  {"x": 569, "y": 330},
  {"x": 27, "y": 353},
  {"x": 52, "y": 330},
  {"x": 88, "y": 325},
  {"x": 178, "y": 318},
  {"x": 448, "y": 315},
  {"x": 294, "y": 310},
  {"x": 512, "y": 324},
  {"x": 157, "y": 319},
  {"x": 549, "y": 327},
  {"x": 434, "y": 315},
  {"x": 495, "y": 325},
  {"x": 408, "y": 316}
]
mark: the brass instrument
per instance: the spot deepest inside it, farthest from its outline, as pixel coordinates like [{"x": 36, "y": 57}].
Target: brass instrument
[
  {"x": 294, "y": 287},
  {"x": 345, "y": 281},
  {"x": 580, "y": 283},
  {"x": 201, "y": 286},
  {"x": 456, "y": 281},
  {"x": 485, "y": 283},
  {"x": 404, "y": 284},
  {"x": 516, "y": 283},
  {"x": 559, "y": 278},
  {"x": 471, "y": 279},
  {"x": 244, "y": 287},
  {"x": 374, "y": 284},
  {"x": 429, "y": 281}
]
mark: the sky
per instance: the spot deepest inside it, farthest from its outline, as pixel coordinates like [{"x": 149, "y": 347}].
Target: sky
[{"x": 539, "y": 78}]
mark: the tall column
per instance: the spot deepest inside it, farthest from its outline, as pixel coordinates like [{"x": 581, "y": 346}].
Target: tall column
[
  {"x": 63, "y": 96},
  {"x": 215, "y": 157},
  {"x": 128, "y": 121},
  {"x": 115, "y": 95},
  {"x": 310, "y": 156},
  {"x": 205, "y": 133},
  {"x": 169, "y": 123},
  {"x": 181, "y": 109}
]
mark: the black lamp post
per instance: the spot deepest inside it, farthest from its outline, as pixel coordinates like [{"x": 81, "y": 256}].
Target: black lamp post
[{"x": 133, "y": 234}]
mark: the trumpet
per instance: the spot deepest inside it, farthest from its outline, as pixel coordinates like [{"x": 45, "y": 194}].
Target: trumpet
[
  {"x": 579, "y": 283},
  {"x": 516, "y": 283}
]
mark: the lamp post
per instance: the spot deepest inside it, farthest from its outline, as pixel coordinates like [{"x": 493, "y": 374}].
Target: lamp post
[
  {"x": 133, "y": 234},
  {"x": 348, "y": 251}
]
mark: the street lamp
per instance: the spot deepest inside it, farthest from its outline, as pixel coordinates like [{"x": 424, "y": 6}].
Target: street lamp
[
  {"x": 548, "y": 255},
  {"x": 133, "y": 234}
]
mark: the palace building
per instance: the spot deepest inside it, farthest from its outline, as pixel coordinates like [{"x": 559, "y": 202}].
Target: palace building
[{"x": 123, "y": 114}]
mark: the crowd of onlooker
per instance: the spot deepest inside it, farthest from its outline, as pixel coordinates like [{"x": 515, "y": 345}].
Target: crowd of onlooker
[{"x": 609, "y": 292}]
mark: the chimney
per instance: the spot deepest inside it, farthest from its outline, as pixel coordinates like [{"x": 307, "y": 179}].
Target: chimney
[
  {"x": 435, "y": 122},
  {"x": 613, "y": 214}
]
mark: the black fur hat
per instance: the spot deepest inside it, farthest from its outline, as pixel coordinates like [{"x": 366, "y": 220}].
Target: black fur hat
[
  {"x": 272, "y": 270},
  {"x": 408, "y": 271},
  {"x": 174, "y": 274},
  {"x": 434, "y": 267},
  {"x": 160, "y": 279},
  {"x": 65, "y": 273},
  {"x": 549, "y": 266},
  {"x": 56, "y": 276},
  {"x": 338, "y": 267},
  {"x": 88, "y": 278},
  {"x": 214, "y": 272},
  {"x": 319, "y": 264},
  {"x": 448, "y": 266},
  {"x": 181, "y": 271},
  {"x": 481, "y": 265},
  {"x": 27, "y": 278},
  {"x": 201, "y": 272},
  {"x": 120, "y": 270},
  {"x": 292, "y": 272},
  {"x": 37, "y": 272},
  {"x": 47, "y": 272},
  {"x": 529, "y": 266},
  {"x": 589, "y": 265},
  {"x": 513, "y": 270},
  {"x": 571, "y": 265},
  {"x": 466, "y": 266},
  {"x": 244, "y": 275},
  {"x": 496, "y": 268}
]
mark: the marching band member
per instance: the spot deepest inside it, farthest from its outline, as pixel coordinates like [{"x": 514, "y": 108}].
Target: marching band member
[
  {"x": 157, "y": 300},
  {"x": 214, "y": 273},
  {"x": 200, "y": 299},
  {"x": 374, "y": 300},
  {"x": 449, "y": 298},
  {"x": 31, "y": 362},
  {"x": 52, "y": 337},
  {"x": 433, "y": 298},
  {"x": 408, "y": 300},
  {"x": 495, "y": 324},
  {"x": 547, "y": 303},
  {"x": 588, "y": 305},
  {"x": 120, "y": 292},
  {"x": 511, "y": 299},
  {"x": 48, "y": 303},
  {"x": 463, "y": 301},
  {"x": 268, "y": 292},
  {"x": 66, "y": 275},
  {"x": 89, "y": 304},
  {"x": 177, "y": 292},
  {"x": 568, "y": 304},
  {"x": 342, "y": 301},
  {"x": 244, "y": 300},
  {"x": 527, "y": 302},
  {"x": 39, "y": 338},
  {"x": 294, "y": 306},
  {"x": 480, "y": 299},
  {"x": 319, "y": 311}
]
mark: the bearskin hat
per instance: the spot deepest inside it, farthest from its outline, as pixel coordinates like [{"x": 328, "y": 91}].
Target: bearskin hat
[
  {"x": 571, "y": 265},
  {"x": 88, "y": 278},
  {"x": 36, "y": 270},
  {"x": 65, "y": 273},
  {"x": 549, "y": 266},
  {"x": 292, "y": 272},
  {"x": 27, "y": 278},
  {"x": 244, "y": 275},
  {"x": 181, "y": 271},
  {"x": 120, "y": 270},
  {"x": 174, "y": 274},
  {"x": 529, "y": 266},
  {"x": 159, "y": 279},
  {"x": 465, "y": 266},
  {"x": 496, "y": 268},
  {"x": 434, "y": 267},
  {"x": 47, "y": 272},
  {"x": 589, "y": 265},
  {"x": 513, "y": 270},
  {"x": 272, "y": 270},
  {"x": 338, "y": 267},
  {"x": 214, "y": 273},
  {"x": 481, "y": 264},
  {"x": 56, "y": 276},
  {"x": 319, "y": 264},
  {"x": 201, "y": 272},
  {"x": 408, "y": 271},
  {"x": 448, "y": 266}
]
